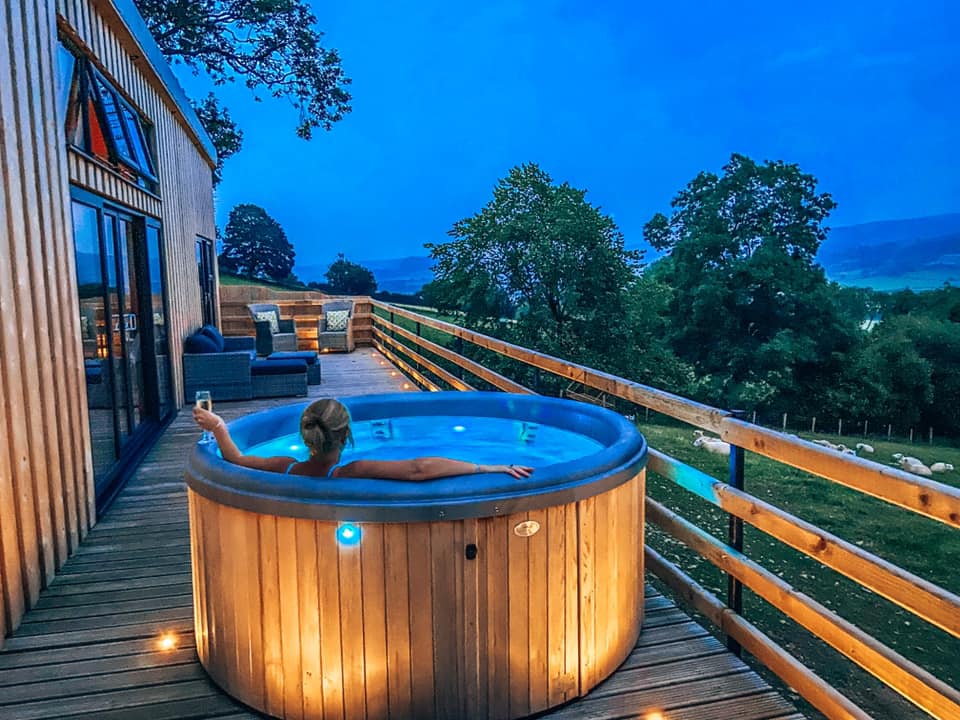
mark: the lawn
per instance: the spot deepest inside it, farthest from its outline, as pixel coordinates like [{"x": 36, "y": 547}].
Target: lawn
[{"x": 922, "y": 546}]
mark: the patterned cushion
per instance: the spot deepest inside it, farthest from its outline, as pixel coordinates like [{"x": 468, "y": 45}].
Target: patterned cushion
[
  {"x": 272, "y": 317},
  {"x": 337, "y": 320}
]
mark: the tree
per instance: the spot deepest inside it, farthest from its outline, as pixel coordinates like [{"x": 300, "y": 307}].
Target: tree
[
  {"x": 255, "y": 245},
  {"x": 273, "y": 45},
  {"x": 349, "y": 278},
  {"x": 542, "y": 267},
  {"x": 226, "y": 137},
  {"x": 752, "y": 312}
]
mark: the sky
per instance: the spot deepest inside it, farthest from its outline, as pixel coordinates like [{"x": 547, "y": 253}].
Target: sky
[{"x": 629, "y": 100}]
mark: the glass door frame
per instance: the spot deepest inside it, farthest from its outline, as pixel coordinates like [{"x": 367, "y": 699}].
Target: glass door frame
[{"x": 142, "y": 437}]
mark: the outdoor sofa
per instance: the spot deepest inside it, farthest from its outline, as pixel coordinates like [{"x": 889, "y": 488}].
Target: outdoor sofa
[{"x": 228, "y": 367}]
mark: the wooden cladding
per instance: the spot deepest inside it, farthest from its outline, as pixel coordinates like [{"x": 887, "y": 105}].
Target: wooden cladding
[
  {"x": 184, "y": 200},
  {"x": 405, "y": 624},
  {"x": 46, "y": 478}
]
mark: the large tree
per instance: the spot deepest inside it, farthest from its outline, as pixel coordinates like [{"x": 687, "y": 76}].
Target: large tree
[
  {"x": 542, "y": 267},
  {"x": 349, "y": 278},
  {"x": 752, "y": 311},
  {"x": 273, "y": 46},
  {"x": 254, "y": 245}
]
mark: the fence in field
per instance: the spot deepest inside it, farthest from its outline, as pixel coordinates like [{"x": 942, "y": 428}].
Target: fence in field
[{"x": 434, "y": 354}]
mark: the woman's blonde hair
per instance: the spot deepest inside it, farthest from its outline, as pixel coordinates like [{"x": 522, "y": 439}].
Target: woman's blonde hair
[{"x": 325, "y": 426}]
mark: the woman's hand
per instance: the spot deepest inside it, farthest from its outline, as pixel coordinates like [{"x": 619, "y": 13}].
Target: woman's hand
[
  {"x": 207, "y": 420},
  {"x": 517, "y": 471}
]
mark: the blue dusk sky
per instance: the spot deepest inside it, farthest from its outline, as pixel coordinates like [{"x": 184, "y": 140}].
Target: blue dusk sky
[{"x": 629, "y": 100}]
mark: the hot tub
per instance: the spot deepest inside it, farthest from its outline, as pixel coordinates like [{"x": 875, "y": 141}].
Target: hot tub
[{"x": 467, "y": 597}]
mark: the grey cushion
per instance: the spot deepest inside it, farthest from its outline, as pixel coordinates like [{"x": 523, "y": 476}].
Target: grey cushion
[
  {"x": 308, "y": 356},
  {"x": 337, "y": 320},
  {"x": 271, "y": 317}
]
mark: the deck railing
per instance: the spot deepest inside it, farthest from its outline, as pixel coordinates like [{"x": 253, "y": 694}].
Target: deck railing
[{"x": 409, "y": 350}]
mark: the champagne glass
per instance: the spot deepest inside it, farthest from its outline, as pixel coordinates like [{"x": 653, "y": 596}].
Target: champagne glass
[{"x": 205, "y": 401}]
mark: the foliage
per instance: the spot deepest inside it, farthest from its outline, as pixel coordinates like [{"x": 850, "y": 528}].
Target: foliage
[
  {"x": 273, "y": 45},
  {"x": 751, "y": 311},
  {"x": 542, "y": 267},
  {"x": 226, "y": 137},
  {"x": 349, "y": 278},
  {"x": 255, "y": 245}
]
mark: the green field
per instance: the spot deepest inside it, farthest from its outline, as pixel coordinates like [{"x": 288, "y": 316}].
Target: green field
[{"x": 922, "y": 546}]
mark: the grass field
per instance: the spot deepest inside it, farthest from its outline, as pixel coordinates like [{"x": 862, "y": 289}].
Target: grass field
[{"x": 925, "y": 547}]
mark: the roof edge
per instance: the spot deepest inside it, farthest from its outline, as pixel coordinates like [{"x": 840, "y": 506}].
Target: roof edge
[{"x": 133, "y": 21}]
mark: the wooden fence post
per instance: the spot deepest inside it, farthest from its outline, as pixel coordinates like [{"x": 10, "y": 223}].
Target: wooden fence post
[
  {"x": 813, "y": 424},
  {"x": 784, "y": 422},
  {"x": 840, "y": 426}
]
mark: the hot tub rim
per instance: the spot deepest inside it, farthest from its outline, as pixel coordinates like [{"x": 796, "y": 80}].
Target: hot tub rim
[{"x": 360, "y": 499}]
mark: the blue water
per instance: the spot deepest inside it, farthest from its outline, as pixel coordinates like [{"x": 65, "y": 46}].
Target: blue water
[{"x": 473, "y": 439}]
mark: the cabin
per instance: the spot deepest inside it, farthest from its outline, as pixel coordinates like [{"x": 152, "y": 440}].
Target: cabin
[{"x": 108, "y": 263}]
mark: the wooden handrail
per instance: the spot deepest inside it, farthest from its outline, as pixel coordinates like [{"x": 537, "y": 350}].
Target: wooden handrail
[
  {"x": 691, "y": 412},
  {"x": 443, "y": 374},
  {"x": 815, "y": 689},
  {"x": 926, "y": 497},
  {"x": 494, "y": 378},
  {"x": 416, "y": 375},
  {"x": 909, "y": 679},
  {"x": 924, "y": 599}
]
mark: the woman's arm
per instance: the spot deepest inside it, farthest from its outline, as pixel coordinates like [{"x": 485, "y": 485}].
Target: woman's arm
[
  {"x": 424, "y": 468},
  {"x": 228, "y": 448}
]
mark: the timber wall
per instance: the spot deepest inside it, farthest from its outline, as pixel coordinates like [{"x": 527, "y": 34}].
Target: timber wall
[
  {"x": 47, "y": 501},
  {"x": 184, "y": 203}
]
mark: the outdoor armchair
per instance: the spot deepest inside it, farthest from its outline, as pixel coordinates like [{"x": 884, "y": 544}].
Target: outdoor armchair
[
  {"x": 273, "y": 334},
  {"x": 335, "y": 327}
]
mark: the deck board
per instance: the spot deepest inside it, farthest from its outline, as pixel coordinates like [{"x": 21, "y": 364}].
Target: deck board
[{"x": 89, "y": 649}]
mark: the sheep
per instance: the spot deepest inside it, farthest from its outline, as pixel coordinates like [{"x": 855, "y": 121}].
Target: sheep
[
  {"x": 845, "y": 450},
  {"x": 940, "y": 467},
  {"x": 714, "y": 445},
  {"x": 864, "y": 447},
  {"x": 912, "y": 465},
  {"x": 825, "y": 443},
  {"x": 901, "y": 459}
]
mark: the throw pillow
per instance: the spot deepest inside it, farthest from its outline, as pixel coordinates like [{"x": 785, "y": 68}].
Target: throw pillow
[
  {"x": 211, "y": 332},
  {"x": 199, "y": 343},
  {"x": 272, "y": 317},
  {"x": 337, "y": 320}
]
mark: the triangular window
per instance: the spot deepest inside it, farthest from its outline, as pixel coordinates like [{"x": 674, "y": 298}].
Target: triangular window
[{"x": 100, "y": 122}]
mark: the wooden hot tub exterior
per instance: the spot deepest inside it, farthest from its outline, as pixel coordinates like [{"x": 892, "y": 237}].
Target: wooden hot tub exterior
[{"x": 403, "y": 624}]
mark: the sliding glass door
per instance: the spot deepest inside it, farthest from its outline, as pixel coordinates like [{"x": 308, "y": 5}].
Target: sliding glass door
[{"x": 123, "y": 323}]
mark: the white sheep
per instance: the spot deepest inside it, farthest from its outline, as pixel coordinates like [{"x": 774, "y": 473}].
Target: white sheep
[
  {"x": 845, "y": 450},
  {"x": 939, "y": 467},
  {"x": 912, "y": 465},
  {"x": 901, "y": 459},
  {"x": 864, "y": 447},
  {"x": 714, "y": 445},
  {"x": 825, "y": 443}
]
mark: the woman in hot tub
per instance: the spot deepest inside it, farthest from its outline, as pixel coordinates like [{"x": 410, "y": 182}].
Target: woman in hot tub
[{"x": 325, "y": 427}]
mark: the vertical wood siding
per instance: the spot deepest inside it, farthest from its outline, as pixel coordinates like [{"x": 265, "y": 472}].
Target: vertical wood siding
[
  {"x": 185, "y": 202},
  {"x": 46, "y": 475}
]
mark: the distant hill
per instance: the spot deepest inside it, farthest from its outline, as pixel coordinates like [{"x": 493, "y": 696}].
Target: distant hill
[
  {"x": 400, "y": 275},
  {"x": 919, "y": 253}
]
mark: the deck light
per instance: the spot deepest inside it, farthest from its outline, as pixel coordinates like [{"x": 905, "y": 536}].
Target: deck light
[
  {"x": 406, "y": 386},
  {"x": 393, "y": 373},
  {"x": 348, "y": 534},
  {"x": 655, "y": 715},
  {"x": 168, "y": 642}
]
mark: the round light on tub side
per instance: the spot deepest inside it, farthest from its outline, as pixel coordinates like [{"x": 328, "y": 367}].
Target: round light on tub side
[{"x": 504, "y": 615}]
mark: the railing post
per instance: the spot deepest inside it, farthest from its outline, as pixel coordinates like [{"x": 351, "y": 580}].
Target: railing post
[
  {"x": 735, "y": 535},
  {"x": 393, "y": 333},
  {"x": 459, "y": 350}
]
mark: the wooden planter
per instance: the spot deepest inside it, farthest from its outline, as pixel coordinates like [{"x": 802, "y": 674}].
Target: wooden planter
[{"x": 404, "y": 624}]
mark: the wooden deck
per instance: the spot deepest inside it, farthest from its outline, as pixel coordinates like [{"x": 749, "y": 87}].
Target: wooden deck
[{"x": 91, "y": 646}]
